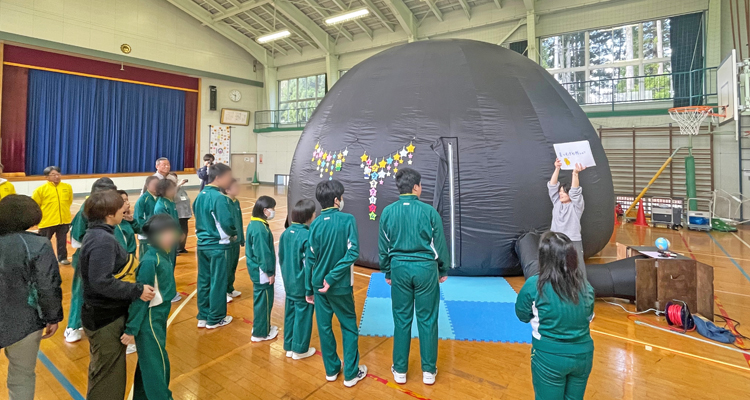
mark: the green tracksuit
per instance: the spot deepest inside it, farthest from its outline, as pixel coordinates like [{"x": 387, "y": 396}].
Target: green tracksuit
[
  {"x": 334, "y": 247},
  {"x": 261, "y": 264},
  {"x": 147, "y": 321},
  {"x": 144, "y": 209},
  {"x": 166, "y": 206},
  {"x": 562, "y": 350},
  {"x": 298, "y": 313},
  {"x": 77, "y": 230},
  {"x": 413, "y": 255},
  {"x": 125, "y": 235},
  {"x": 234, "y": 249},
  {"x": 215, "y": 230}
]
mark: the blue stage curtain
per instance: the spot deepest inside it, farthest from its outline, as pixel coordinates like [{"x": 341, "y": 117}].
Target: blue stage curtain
[{"x": 98, "y": 126}]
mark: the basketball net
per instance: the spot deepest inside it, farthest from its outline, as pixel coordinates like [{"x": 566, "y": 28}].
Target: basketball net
[{"x": 691, "y": 118}]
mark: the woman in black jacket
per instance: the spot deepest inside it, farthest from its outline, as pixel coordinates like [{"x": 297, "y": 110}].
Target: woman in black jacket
[
  {"x": 30, "y": 294},
  {"x": 108, "y": 277}
]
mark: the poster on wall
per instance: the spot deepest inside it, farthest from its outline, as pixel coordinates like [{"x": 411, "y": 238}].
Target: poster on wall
[
  {"x": 220, "y": 143},
  {"x": 235, "y": 117}
]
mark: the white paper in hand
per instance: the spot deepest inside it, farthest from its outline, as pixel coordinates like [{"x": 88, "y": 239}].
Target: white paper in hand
[{"x": 572, "y": 153}]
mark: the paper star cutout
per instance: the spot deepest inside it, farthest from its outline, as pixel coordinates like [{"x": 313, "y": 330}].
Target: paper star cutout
[
  {"x": 331, "y": 173},
  {"x": 317, "y": 146},
  {"x": 381, "y": 181},
  {"x": 409, "y": 162},
  {"x": 373, "y": 216},
  {"x": 325, "y": 155},
  {"x": 374, "y": 175},
  {"x": 387, "y": 174},
  {"x": 364, "y": 157},
  {"x": 375, "y": 167},
  {"x": 373, "y": 183},
  {"x": 345, "y": 152},
  {"x": 382, "y": 163},
  {"x": 396, "y": 157},
  {"x": 362, "y": 165},
  {"x": 373, "y": 199},
  {"x": 319, "y": 162},
  {"x": 410, "y": 148},
  {"x": 373, "y": 207},
  {"x": 373, "y": 192},
  {"x": 313, "y": 159},
  {"x": 381, "y": 174},
  {"x": 395, "y": 170},
  {"x": 338, "y": 156},
  {"x": 389, "y": 160},
  {"x": 403, "y": 153}
]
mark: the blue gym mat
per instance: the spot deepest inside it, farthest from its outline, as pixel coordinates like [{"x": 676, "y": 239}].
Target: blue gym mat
[{"x": 471, "y": 308}]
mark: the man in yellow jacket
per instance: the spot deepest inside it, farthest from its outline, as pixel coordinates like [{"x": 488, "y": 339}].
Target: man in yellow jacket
[
  {"x": 6, "y": 188},
  {"x": 55, "y": 199}
]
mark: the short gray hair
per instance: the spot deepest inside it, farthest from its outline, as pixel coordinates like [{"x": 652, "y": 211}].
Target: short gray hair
[{"x": 160, "y": 159}]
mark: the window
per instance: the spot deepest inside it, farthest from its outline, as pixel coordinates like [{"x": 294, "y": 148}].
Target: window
[
  {"x": 342, "y": 72},
  {"x": 298, "y": 97},
  {"x": 618, "y": 64}
]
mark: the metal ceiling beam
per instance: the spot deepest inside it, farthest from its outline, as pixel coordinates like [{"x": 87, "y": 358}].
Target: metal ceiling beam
[
  {"x": 323, "y": 13},
  {"x": 466, "y": 7},
  {"x": 520, "y": 23},
  {"x": 321, "y": 37},
  {"x": 359, "y": 22},
  {"x": 244, "y": 7},
  {"x": 379, "y": 14},
  {"x": 247, "y": 44},
  {"x": 405, "y": 17},
  {"x": 215, "y": 4},
  {"x": 254, "y": 32},
  {"x": 255, "y": 17},
  {"x": 435, "y": 9},
  {"x": 289, "y": 25},
  {"x": 498, "y": 3}
]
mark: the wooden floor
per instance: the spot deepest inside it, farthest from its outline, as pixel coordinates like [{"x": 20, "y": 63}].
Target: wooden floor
[{"x": 631, "y": 361}]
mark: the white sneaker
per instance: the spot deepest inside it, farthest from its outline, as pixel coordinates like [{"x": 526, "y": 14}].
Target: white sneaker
[
  {"x": 131, "y": 349},
  {"x": 398, "y": 377},
  {"x": 229, "y": 299},
  {"x": 332, "y": 378},
  {"x": 360, "y": 375},
  {"x": 73, "y": 335},
  {"x": 272, "y": 333},
  {"x": 223, "y": 322},
  {"x": 429, "y": 378},
  {"x": 235, "y": 293},
  {"x": 176, "y": 298},
  {"x": 308, "y": 353},
  {"x": 289, "y": 354},
  {"x": 201, "y": 323}
]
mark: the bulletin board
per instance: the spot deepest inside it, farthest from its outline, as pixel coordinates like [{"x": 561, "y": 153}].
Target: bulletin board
[{"x": 220, "y": 143}]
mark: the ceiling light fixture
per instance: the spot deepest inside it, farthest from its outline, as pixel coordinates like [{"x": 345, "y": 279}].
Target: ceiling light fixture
[
  {"x": 273, "y": 36},
  {"x": 347, "y": 16}
]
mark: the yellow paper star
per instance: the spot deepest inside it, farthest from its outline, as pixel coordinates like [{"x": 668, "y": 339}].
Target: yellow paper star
[
  {"x": 397, "y": 157},
  {"x": 375, "y": 167},
  {"x": 382, "y": 163},
  {"x": 317, "y": 146},
  {"x": 410, "y": 148},
  {"x": 395, "y": 170},
  {"x": 325, "y": 155},
  {"x": 364, "y": 157},
  {"x": 338, "y": 156},
  {"x": 318, "y": 162}
]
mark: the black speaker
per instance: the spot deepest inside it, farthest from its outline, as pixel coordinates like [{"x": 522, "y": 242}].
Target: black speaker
[{"x": 212, "y": 98}]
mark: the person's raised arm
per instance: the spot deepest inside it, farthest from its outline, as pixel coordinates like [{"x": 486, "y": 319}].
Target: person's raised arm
[
  {"x": 575, "y": 182},
  {"x": 556, "y": 174},
  {"x": 342, "y": 267}
]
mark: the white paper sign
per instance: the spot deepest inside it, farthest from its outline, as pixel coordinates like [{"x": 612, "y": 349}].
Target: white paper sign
[{"x": 575, "y": 152}]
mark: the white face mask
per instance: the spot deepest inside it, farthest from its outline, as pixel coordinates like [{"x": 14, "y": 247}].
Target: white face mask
[
  {"x": 341, "y": 204},
  {"x": 271, "y": 214}
]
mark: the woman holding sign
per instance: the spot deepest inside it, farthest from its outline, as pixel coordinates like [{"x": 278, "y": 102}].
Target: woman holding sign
[{"x": 567, "y": 208}]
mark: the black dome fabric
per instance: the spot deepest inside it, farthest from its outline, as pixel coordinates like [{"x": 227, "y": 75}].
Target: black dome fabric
[{"x": 502, "y": 113}]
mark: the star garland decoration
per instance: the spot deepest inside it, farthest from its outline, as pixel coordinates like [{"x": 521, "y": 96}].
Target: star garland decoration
[
  {"x": 376, "y": 171},
  {"x": 328, "y": 162}
]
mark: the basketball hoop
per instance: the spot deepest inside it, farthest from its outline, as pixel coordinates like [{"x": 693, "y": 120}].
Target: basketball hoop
[{"x": 691, "y": 118}]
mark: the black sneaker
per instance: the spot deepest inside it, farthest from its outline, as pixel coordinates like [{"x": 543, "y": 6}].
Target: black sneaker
[{"x": 182, "y": 251}]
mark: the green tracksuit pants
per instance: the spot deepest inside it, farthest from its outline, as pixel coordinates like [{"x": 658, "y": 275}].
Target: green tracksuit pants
[
  {"x": 76, "y": 296},
  {"x": 262, "y": 306},
  {"x": 326, "y": 305},
  {"x": 212, "y": 285},
  {"x": 560, "y": 376},
  {"x": 415, "y": 286},
  {"x": 298, "y": 315},
  {"x": 152, "y": 373},
  {"x": 143, "y": 248},
  {"x": 234, "y": 257}
]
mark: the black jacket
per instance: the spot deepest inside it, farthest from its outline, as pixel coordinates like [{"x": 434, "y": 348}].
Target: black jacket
[
  {"x": 105, "y": 298},
  {"x": 27, "y": 257},
  {"x": 203, "y": 176}
]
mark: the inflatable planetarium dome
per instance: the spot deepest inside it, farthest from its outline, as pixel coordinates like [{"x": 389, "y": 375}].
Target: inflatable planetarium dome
[{"x": 493, "y": 112}]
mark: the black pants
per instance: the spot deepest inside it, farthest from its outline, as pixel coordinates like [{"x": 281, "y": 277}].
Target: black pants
[
  {"x": 107, "y": 367},
  {"x": 184, "y": 226},
  {"x": 61, "y": 234}
]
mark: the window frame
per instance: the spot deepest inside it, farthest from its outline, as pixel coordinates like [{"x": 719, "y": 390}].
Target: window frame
[{"x": 317, "y": 98}]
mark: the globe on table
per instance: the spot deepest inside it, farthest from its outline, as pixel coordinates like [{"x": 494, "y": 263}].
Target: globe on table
[{"x": 662, "y": 244}]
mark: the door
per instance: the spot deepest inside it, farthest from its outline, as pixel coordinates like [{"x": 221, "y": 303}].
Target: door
[
  {"x": 243, "y": 167},
  {"x": 446, "y": 149}
]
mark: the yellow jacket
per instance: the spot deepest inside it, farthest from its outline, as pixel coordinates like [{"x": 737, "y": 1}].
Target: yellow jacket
[
  {"x": 6, "y": 188},
  {"x": 55, "y": 202}
]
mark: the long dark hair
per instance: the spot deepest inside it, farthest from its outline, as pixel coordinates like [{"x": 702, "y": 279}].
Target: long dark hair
[{"x": 558, "y": 265}]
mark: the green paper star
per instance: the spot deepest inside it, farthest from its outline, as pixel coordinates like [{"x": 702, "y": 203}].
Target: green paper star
[{"x": 373, "y": 216}]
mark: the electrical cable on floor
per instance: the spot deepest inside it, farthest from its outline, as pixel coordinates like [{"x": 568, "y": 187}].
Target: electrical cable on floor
[{"x": 657, "y": 312}]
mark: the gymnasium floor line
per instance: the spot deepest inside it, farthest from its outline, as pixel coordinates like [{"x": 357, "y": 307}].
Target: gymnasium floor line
[
  {"x": 64, "y": 382},
  {"x": 728, "y": 255}
]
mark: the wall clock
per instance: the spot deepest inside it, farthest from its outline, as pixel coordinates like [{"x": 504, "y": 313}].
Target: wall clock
[{"x": 235, "y": 95}]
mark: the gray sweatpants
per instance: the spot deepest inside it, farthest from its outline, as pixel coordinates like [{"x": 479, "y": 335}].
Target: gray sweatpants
[{"x": 21, "y": 363}]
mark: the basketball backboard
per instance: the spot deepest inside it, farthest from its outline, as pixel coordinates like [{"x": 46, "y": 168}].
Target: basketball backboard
[{"x": 727, "y": 83}]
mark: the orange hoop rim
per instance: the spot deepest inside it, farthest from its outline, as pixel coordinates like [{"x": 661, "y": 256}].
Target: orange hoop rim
[{"x": 689, "y": 109}]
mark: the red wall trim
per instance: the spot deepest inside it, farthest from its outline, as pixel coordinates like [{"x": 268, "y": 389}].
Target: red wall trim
[
  {"x": 44, "y": 59},
  {"x": 13, "y": 126}
]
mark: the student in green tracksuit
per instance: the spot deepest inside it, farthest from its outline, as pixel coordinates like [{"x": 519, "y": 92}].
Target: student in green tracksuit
[
  {"x": 298, "y": 310},
  {"x": 74, "y": 330},
  {"x": 144, "y": 209},
  {"x": 414, "y": 258},
  {"x": 126, "y": 230},
  {"x": 147, "y": 320},
  {"x": 559, "y": 303},
  {"x": 234, "y": 248},
  {"x": 260, "y": 256},
  {"x": 165, "y": 192},
  {"x": 329, "y": 263},
  {"x": 215, "y": 230}
]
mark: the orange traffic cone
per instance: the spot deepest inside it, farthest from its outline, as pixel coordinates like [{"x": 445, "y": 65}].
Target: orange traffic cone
[{"x": 640, "y": 219}]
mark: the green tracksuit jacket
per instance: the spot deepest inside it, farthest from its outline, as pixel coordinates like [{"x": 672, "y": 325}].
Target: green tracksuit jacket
[
  {"x": 214, "y": 225},
  {"x": 125, "y": 235},
  {"x": 166, "y": 206},
  {"x": 147, "y": 321},
  {"x": 77, "y": 230},
  {"x": 144, "y": 209},
  {"x": 261, "y": 264},
  {"x": 334, "y": 247},
  {"x": 297, "y": 312}
]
